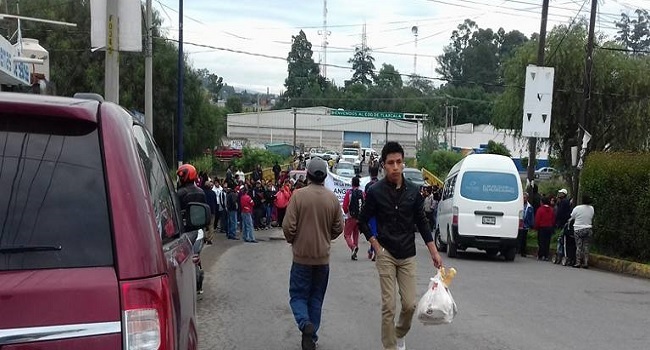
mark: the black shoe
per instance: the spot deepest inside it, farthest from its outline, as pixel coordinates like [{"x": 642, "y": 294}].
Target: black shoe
[
  {"x": 585, "y": 266},
  {"x": 354, "y": 253},
  {"x": 577, "y": 266},
  {"x": 308, "y": 337}
]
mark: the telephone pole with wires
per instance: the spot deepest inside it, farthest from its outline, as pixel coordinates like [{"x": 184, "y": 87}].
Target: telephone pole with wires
[
  {"x": 532, "y": 141},
  {"x": 583, "y": 134},
  {"x": 325, "y": 33}
]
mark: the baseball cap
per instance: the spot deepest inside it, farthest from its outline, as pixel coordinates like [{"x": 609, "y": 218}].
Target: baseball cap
[
  {"x": 563, "y": 191},
  {"x": 317, "y": 167}
]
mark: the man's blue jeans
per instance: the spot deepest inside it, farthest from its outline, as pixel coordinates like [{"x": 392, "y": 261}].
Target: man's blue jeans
[
  {"x": 232, "y": 224},
  {"x": 307, "y": 287},
  {"x": 247, "y": 227}
]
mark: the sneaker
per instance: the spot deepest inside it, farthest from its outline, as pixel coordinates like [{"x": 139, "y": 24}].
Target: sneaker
[
  {"x": 369, "y": 254},
  {"x": 307, "y": 337},
  {"x": 200, "y": 291},
  {"x": 401, "y": 344},
  {"x": 354, "y": 253}
]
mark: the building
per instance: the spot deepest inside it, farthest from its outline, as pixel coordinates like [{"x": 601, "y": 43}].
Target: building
[
  {"x": 327, "y": 128},
  {"x": 474, "y": 138}
]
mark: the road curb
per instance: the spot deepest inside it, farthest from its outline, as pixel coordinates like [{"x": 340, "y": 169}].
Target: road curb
[
  {"x": 613, "y": 264},
  {"x": 619, "y": 266}
]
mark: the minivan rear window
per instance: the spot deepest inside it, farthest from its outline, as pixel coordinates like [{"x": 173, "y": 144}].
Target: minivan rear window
[
  {"x": 489, "y": 186},
  {"x": 53, "y": 207}
]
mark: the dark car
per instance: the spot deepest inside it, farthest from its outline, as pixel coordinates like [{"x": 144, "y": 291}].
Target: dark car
[
  {"x": 93, "y": 252},
  {"x": 415, "y": 175}
]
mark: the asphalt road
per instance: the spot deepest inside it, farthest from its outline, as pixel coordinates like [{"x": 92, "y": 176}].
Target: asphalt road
[{"x": 525, "y": 304}]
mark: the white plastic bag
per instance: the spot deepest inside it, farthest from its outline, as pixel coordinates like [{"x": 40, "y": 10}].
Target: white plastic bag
[{"x": 437, "y": 306}]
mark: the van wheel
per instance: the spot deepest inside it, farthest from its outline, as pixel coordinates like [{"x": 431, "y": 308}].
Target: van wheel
[
  {"x": 451, "y": 247},
  {"x": 510, "y": 254},
  {"x": 438, "y": 241},
  {"x": 492, "y": 252}
]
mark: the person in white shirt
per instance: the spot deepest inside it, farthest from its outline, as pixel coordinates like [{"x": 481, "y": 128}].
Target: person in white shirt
[
  {"x": 583, "y": 217},
  {"x": 220, "y": 205}
]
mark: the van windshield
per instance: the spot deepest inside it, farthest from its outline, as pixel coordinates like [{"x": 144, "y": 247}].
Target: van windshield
[{"x": 489, "y": 186}]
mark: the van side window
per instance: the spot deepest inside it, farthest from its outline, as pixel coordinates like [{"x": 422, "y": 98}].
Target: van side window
[
  {"x": 160, "y": 186},
  {"x": 448, "y": 191}
]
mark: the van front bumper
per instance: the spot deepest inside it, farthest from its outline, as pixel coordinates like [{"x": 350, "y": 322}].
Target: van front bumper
[{"x": 482, "y": 242}]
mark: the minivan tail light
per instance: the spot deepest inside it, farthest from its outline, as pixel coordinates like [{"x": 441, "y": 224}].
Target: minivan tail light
[
  {"x": 147, "y": 314},
  {"x": 521, "y": 219},
  {"x": 454, "y": 218}
]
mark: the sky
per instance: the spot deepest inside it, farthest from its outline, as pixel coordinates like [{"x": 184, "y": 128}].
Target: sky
[{"x": 252, "y": 28}]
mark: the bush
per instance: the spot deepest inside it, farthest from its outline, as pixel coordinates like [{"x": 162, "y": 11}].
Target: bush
[
  {"x": 619, "y": 184},
  {"x": 253, "y": 156},
  {"x": 438, "y": 162}
]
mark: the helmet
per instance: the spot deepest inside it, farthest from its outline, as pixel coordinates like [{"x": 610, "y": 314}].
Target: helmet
[{"x": 187, "y": 173}]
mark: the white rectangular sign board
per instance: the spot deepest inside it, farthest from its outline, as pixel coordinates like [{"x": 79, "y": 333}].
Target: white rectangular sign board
[{"x": 538, "y": 102}]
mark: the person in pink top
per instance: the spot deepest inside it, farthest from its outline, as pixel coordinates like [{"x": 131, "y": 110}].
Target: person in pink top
[
  {"x": 352, "y": 203},
  {"x": 247, "y": 203}
]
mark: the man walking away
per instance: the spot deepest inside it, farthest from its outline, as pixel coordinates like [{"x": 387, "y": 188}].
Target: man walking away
[
  {"x": 247, "y": 216},
  {"x": 544, "y": 223},
  {"x": 313, "y": 219},
  {"x": 232, "y": 204},
  {"x": 211, "y": 200},
  {"x": 397, "y": 205},
  {"x": 352, "y": 203}
]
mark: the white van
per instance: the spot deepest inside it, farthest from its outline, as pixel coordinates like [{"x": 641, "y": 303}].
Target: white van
[{"x": 481, "y": 206}]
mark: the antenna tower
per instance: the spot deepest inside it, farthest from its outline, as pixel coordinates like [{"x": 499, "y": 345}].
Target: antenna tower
[{"x": 324, "y": 33}]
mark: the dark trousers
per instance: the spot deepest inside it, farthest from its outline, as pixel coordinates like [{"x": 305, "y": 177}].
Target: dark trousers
[
  {"x": 217, "y": 217},
  {"x": 307, "y": 287},
  {"x": 258, "y": 213},
  {"x": 544, "y": 241},
  {"x": 522, "y": 237},
  {"x": 281, "y": 212}
]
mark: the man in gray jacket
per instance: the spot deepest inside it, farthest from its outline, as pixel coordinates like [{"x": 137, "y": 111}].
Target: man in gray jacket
[{"x": 313, "y": 219}]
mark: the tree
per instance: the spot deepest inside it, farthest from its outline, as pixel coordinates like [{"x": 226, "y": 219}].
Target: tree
[
  {"x": 211, "y": 82},
  {"x": 634, "y": 34},
  {"x": 234, "y": 105},
  {"x": 73, "y": 68},
  {"x": 363, "y": 66},
  {"x": 303, "y": 78},
  {"x": 619, "y": 114},
  {"x": 475, "y": 55},
  {"x": 497, "y": 148},
  {"x": 389, "y": 78}
]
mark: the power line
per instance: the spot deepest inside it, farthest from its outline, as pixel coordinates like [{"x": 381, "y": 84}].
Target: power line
[{"x": 567, "y": 31}]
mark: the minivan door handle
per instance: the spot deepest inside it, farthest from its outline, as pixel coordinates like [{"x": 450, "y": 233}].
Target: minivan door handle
[{"x": 491, "y": 213}]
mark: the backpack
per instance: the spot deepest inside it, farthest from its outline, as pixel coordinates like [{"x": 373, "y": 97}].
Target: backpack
[{"x": 356, "y": 203}]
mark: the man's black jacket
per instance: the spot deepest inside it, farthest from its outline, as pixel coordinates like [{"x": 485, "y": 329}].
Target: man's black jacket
[{"x": 397, "y": 213}]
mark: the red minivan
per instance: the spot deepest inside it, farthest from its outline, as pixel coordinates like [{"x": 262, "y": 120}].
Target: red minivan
[{"x": 93, "y": 249}]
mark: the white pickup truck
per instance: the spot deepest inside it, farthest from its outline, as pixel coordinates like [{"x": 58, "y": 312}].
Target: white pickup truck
[{"x": 352, "y": 155}]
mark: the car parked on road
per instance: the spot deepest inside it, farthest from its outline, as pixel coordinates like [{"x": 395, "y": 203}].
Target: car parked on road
[
  {"x": 94, "y": 253},
  {"x": 545, "y": 173},
  {"x": 415, "y": 176}
]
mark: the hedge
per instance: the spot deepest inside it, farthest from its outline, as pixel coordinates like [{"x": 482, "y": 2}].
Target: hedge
[{"x": 619, "y": 184}]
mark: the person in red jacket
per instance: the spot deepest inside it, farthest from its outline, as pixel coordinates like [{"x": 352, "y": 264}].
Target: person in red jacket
[
  {"x": 545, "y": 226},
  {"x": 246, "y": 203}
]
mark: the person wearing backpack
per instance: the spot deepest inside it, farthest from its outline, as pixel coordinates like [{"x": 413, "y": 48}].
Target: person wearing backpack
[{"x": 352, "y": 203}]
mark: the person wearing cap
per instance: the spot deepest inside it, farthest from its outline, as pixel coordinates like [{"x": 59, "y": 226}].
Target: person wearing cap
[
  {"x": 562, "y": 209},
  {"x": 313, "y": 219}
]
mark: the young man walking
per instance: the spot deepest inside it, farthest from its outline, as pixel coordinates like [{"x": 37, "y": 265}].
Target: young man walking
[
  {"x": 398, "y": 207},
  {"x": 352, "y": 203},
  {"x": 313, "y": 219}
]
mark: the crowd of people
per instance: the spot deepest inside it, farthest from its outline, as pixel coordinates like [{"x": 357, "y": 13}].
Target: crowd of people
[{"x": 548, "y": 213}]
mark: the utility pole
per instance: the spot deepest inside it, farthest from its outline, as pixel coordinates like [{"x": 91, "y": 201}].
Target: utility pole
[
  {"x": 532, "y": 142},
  {"x": 112, "y": 65},
  {"x": 148, "y": 72},
  {"x": 586, "y": 93},
  {"x": 386, "y": 136},
  {"x": 181, "y": 74},
  {"x": 295, "y": 121},
  {"x": 446, "y": 125}
]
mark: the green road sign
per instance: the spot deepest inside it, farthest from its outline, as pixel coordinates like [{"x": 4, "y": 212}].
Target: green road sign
[{"x": 367, "y": 114}]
